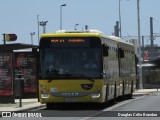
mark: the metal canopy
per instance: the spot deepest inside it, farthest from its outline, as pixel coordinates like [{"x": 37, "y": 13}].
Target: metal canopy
[{"x": 16, "y": 46}]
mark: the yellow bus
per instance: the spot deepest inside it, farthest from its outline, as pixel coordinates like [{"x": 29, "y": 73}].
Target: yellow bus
[{"x": 85, "y": 67}]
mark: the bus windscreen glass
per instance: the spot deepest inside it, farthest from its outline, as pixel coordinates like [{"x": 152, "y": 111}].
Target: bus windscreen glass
[{"x": 70, "y": 58}]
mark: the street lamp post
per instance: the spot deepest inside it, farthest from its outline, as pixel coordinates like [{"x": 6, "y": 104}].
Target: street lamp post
[
  {"x": 43, "y": 23},
  {"x": 120, "y": 31},
  {"x": 86, "y": 27},
  {"x": 32, "y": 33},
  {"x": 139, "y": 47},
  {"x": 61, "y": 15},
  {"x": 76, "y": 26},
  {"x": 38, "y": 26}
]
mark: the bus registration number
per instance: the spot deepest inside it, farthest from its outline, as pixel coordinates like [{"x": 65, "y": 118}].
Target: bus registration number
[{"x": 70, "y": 99}]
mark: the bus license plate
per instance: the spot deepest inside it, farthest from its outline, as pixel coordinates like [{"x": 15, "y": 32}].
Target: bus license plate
[{"x": 70, "y": 99}]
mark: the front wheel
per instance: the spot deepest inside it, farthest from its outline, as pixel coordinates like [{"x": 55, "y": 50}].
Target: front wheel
[{"x": 49, "y": 106}]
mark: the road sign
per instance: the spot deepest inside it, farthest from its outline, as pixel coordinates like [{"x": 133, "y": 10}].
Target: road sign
[{"x": 10, "y": 37}]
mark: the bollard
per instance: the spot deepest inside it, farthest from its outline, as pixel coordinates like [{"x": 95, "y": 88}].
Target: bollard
[{"x": 19, "y": 90}]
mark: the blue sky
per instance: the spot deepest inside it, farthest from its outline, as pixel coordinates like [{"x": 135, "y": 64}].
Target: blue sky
[{"x": 20, "y": 17}]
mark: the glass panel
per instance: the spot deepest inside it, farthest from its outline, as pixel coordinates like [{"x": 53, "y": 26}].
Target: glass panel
[{"x": 67, "y": 63}]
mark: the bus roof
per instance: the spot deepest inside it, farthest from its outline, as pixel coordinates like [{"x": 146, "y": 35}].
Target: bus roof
[
  {"x": 120, "y": 40},
  {"x": 64, "y": 33},
  {"x": 86, "y": 33}
]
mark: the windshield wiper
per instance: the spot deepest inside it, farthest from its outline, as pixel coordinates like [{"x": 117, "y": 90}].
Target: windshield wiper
[
  {"x": 92, "y": 80},
  {"x": 52, "y": 75},
  {"x": 81, "y": 76},
  {"x": 88, "y": 78}
]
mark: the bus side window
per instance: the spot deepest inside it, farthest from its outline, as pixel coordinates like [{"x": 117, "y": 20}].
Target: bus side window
[
  {"x": 105, "y": 50},
  {"x": 121, "y": 52}
]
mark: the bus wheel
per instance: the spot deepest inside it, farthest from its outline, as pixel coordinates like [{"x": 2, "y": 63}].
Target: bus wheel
[
  {"x": 102, "y": 105},
  {"x": 130, "y": 96},
  {"x": 49, "y": 106}
]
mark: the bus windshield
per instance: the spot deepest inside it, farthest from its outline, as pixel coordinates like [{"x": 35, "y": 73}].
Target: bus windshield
[{"x": 67, "y": 63}]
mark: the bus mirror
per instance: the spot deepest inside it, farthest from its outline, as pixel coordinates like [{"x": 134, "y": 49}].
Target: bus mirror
[
  {"x": 105, "y": 50},
  {"x": 121, "y": 52},
  {"x": 40, "y": 76}
]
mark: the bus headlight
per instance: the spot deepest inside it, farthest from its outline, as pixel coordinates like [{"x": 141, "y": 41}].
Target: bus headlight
[
  {"x": 96, "y": 94},
  {"x": 44, "y": 87},
  {"x": 45, "y": 95},
  {"x": 41, "y": 85}
]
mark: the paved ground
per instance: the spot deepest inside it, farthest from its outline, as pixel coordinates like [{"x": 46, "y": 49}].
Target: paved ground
[
  {"x": 28, "y": 104},
  {"x": 144, "y": 91}
]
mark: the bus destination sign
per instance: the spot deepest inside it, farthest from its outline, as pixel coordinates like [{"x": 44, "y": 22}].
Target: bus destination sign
[
  {"x": 54, "y": 42},
  {"x": 68, "y": 41}
]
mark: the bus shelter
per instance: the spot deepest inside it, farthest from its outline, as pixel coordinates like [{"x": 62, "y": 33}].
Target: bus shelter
[
  {"x": 151, "y": 74},
  {"x": 15, "y": 66}
]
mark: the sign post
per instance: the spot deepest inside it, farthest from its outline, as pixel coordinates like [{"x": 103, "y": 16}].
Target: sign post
[
  {"x": 4, "y": 38},
  {"x": 9, "y": 37}
]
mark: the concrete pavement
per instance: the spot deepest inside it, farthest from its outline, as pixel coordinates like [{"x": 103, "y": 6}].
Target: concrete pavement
[
  {"x": 30, "y": 104},
  {"x": 27, "y": 104},
  {"x": 140, "y": 92}
]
